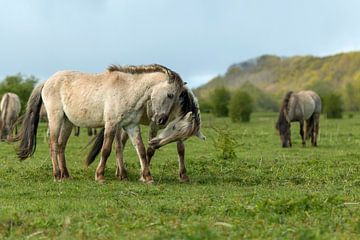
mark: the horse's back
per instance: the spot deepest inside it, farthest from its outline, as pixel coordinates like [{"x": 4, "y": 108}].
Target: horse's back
[
  {"x": 308, "y": 103},
  {"x": 79, "y": 95}
]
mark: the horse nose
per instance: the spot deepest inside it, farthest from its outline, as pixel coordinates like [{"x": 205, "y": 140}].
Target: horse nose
[{"x": 162, "y": 119}]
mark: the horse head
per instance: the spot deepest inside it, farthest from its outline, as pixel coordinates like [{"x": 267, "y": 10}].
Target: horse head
[
  {"x": 187, "y": 123},
  {"x": 163, "y": 97}
]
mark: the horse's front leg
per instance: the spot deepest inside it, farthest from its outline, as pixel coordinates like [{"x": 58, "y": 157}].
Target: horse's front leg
[
  {"x": 153, "y": 129},
  {"x": 109, "y": 134},
  {"x": 182, "y": 169},
  {"x": 135, "y": 137},
  {"x": 120, "y": 140}
]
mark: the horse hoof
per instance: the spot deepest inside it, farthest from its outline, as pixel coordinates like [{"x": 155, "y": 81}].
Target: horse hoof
[
  {"x": 123, "y": 178},
  {"x": 147, "y": 180},
  {"x": 184, "y": 179},
  {"x": 100, "y": 179}
]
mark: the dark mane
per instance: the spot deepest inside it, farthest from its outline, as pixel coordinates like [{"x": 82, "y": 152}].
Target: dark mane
[
  {"x": 285, "y": 104},
  {"x": 189, "y": 104},
  {"x": 173, "y": 76}
]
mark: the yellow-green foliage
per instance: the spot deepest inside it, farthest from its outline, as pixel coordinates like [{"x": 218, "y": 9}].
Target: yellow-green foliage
[{"x": 276, "y": 75}]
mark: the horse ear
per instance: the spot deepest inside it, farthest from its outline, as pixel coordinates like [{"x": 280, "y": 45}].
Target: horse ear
[
  {"x": 188, "y": 117},
  {"x": 200, "y": 135}
]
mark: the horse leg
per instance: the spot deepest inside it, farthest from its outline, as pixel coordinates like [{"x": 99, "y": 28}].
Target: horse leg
[
  {"x": 89, "y": 131},
  {"x": 55, "y": 123},
  {"x": 302, "y": 132},
  {"x": 76, "y": 131},
  {"x": 315, "y": 129},
  {"x": 120, "y": 140},
  {"x": 135, "y": 137},
  {"x": 182, "y": 169},
  {"x": 153, "y": 129},
  {"x": 109, "y": 135},
  {"x": 64, "y": 135}
]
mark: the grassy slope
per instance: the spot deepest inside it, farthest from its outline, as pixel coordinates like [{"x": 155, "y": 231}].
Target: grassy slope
[
  {"x": 275, "y": 75},
  {"x": 267, "y": 192}
]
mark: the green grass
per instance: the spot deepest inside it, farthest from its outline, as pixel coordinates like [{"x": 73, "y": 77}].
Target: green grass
[{"x": 265, "y": 192}]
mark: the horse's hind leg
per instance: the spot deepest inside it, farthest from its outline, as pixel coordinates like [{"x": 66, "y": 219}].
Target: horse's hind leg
[
  {"x": 109, "y": 135},
  {"x": 120, "y": 140},
  {"x": 64, "y": 135},
  {"x": 315, "y": 129},
  {"x": 135, "y": 137},
  {"x": 302, "y": 132},
  {"x": 55, "y": 122},
  {"x": 182, "y": 169}
]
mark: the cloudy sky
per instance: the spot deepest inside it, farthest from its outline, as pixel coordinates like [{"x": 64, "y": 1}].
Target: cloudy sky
[{"x": 197, "y": 38}]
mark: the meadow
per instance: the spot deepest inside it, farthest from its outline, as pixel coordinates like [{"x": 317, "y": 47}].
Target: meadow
[{"x": 264, "y": 192}]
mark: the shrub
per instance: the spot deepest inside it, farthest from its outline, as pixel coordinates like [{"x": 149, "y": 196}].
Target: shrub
[
  {"x": 333, "y": 105},
  {"x": 225, "y": 143},
  {"x": 240, "y": 106},
  {"x": 205, "y": 106},
  {"x": 220, "y": 98}
]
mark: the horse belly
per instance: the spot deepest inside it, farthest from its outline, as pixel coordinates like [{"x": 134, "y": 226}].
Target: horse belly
[{"x": 86, "y": 115}]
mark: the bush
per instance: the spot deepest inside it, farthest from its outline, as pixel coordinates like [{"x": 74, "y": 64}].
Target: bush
[
  {"x": 241, "y": 106},
  {"x": 225, "y": 143},
  {"x": 333, "y": 105},
  {"x": 220, "y": 98},
  {"x": 205, "y": 106}
]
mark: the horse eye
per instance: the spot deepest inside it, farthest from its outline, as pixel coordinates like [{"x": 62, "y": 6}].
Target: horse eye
[{"x": 170, "y": 95}]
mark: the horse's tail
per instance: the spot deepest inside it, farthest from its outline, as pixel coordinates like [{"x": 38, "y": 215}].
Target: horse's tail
[
  {"x": 27, "y": 134},
  {"x": 96, "y": 148}
]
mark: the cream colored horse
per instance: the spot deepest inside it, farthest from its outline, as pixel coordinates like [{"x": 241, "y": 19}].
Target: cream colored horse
[
  {"x": 113, "y": 99},
  {"x": 10, "y": 108},
  {"x": 303, "y": 107},
  {"x": 186, "y": 123}
]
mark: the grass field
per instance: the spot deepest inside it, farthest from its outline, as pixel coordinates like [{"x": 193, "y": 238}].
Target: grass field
[{"x": 265, "y": 192}]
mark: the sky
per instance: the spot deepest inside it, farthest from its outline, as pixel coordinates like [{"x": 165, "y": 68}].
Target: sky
[{"x": 199, "y": 39}]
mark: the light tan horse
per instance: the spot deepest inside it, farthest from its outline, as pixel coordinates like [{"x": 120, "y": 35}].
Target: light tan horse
[
  {"x": 303, "y": 107},
  {"x": 10, "y": 108},
  {"x": 186, "y": 123},
  {"x": 113, "y": 99}
]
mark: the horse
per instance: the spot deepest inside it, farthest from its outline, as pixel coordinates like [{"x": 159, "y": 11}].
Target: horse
[
  {"x": 10, "y": 108},
  {"x": 186, "y": 122},
  {"x": 113, "y": 99},
  {"x": 303, "y": 107}
]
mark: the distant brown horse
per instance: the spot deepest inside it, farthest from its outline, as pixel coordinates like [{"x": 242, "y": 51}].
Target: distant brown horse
[
  {"x": 10, "y": 109},
  {"x": 303, "y": 107}
]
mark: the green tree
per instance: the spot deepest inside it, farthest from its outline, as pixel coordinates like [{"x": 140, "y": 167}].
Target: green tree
[
  {"x": 220, "y": 98},
  {"x": 205, "y": 106},
  {"x": 333, "y": 105},
  {"x": 20, "y": 85},
  {"x": 240, "y": 106}
]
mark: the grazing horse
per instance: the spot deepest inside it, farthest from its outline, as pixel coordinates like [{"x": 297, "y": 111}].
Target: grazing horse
[
  {"x": 10, "y": 109},
  {"x": 303, "y": 107},
  {"x": 113, "y": 99},
  {"x": 186, "y": 123}
]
